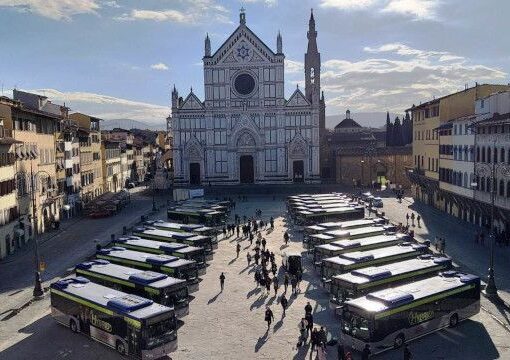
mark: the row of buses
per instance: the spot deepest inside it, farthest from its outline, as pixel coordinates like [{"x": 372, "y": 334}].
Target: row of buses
[
  {"x": 133, "y": 293},
  {"x": 385, "y": 287}
]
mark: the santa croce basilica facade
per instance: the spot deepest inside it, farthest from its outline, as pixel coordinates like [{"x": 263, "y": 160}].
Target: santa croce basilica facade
[{"x": 245, "y": 131}]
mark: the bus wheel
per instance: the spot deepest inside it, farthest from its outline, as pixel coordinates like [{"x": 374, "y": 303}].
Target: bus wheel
[
  {"x": 73, "y": 326},
  {"x": 399, "y": 341},
  {"x": 454, "y": 320},
  {"x": 121, "y": 349}
]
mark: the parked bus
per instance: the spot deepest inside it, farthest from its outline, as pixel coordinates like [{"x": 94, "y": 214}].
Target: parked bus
[
  {"x": 132, "y": 325},
  {"x": 172, "y": 236},
  {"x": 160, "y": 288},
  {"x": 198, "y": 229},
  {"x": 310, "y": 217},
  {"x": 361, "y": 259},
  {"x": 349, "y": 234},
  {"x": 171, "y": 265},
  {"x": 336, "y": 248},
  {"x": 187, "y": 216},
  {"x": 362, "y": 281},
  {"x": 337, "y": 225},
  {"x": 159, "y": 247},
  {"x": 388, "y": 318},
  {"x": 292, "y": 262}
]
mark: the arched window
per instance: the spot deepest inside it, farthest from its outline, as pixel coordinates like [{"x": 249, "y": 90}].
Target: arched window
[
  {"x": 502, "y": 155},
  {"x": 483, "y": 154},
  {"x": 501, "y": 188},
  {"x": 477, "y": 153},
  {"x": 481, "y": 184},
  {"x": 495, "y": 155},
  {"x": 489, "y": 155},
  {"x": 465, "y": 180},
  {"x": 459, "y": 179}
]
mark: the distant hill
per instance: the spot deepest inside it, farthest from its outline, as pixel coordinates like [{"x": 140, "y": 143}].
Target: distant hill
[
  {"x": 368, "y": 119},
  {"x": 131, "y": 124}
]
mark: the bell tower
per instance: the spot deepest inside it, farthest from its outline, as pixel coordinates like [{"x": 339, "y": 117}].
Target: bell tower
[{"x": 312, "y": 65}]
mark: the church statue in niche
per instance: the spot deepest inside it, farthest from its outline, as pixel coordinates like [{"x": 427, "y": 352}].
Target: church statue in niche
[{"x": 247, "y": 130}]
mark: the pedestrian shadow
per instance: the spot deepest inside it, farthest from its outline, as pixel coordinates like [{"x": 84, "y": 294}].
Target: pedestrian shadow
[
  {"x": 261, "y": 341},
  {"x": 278, "y": 325},
  {"x": 283, "y": 246},
  {"x": 251, "y": 270},
  {"x": 271, "y": 300},
  {"x": 302, "y": 352},
  {"x": 232, "y": 261},
  {"x": 252, "y": 292},
  {"x": 213, "y": 299},
  {"x": 269, "y": 231},
  {"x": 259, "y": 302},
  {"x": 247, "y": 247},
  {"x": 246, "y": 268}
]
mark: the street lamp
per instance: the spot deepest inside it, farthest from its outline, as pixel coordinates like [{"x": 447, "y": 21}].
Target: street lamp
[
  {"x": 38, "y": 290},
  {"x": 362, "y": 163}
]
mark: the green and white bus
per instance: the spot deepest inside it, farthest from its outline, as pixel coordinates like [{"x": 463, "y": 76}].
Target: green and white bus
[
  {"x": 336, "y": 248},
  {"x": 160, "y": 247},
  {"x": 349, "y": 234},
  {"x": 198, "y": 229},
  {"x": 361, "y": 259},
  {"x": 310, "y": 217},
  {"x": 362, "y": 281},
  {"x": 171, "y": 265},
  {"x": 340, "y": 225},
  {"x": 388, "y": 318},
  {"x": 151, "y": 233},
  {"x": 132, "y": 325},
  {"x": 160, "y": 288},
  {"x": 188, "y": 215}
]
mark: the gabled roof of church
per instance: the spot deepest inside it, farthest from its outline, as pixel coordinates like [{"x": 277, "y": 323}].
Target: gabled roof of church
[
  {"x": 347, "y": 123},
  {"x": 192, "y": 102},
  {"x": 297, "y": 99},
  {"x": 248, "y": 31}
]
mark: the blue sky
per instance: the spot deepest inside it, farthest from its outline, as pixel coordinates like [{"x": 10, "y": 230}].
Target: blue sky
[{"x": 119, "y": 59}]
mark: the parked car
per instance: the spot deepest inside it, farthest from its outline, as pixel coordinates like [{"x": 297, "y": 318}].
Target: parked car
[{"x": 377, "y": 202}]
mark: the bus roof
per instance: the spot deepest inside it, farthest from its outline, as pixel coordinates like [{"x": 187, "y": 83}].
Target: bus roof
[
  {"x": 346, "y": 244},
  {"x": 157, "y": 245},
  {"x": 382, "y": 300},
  {"x": 355, "y": 232},
  {"x": 131, "y": 305},
  {"x": 140, "y": 277},
  {"x": 348, "y": 224},
  {"x": 164, "y": 233},
  {"x": 375, "y": 273},
  {"x": 363, "y": 256},
  {"x": 143, "y": 257},
  {"x": 171, "y": 225}
]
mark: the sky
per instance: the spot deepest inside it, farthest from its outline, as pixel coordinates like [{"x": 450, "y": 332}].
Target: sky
[{"x": 120, "y": 59}]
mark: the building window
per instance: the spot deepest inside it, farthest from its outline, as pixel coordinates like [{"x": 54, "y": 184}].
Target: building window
[
  {"x": 502, "y": 155},
  {"x": 270, "y": 160},
  {"x": 508, "y": 189},
  {"x": 501, "y": 188},
  {"x": 220, "y": 161},
  {"x": 481, "y": 184},
  {"x": 220, "y": 137}
]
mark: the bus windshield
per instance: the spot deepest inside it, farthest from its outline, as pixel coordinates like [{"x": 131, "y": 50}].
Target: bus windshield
[
  {"x": 160, "y": 333},
  {"x": 178, "y": 296},
  {"x": 355, "y": 325}
]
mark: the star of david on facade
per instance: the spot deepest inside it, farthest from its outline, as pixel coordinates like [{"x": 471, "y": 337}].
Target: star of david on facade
[{"x": 243, "y": 52}]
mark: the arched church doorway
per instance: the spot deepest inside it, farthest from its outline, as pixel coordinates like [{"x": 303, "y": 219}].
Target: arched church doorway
[
  {"x": 298, "y": 171},
  {"x": 246, "y": 171},
  {"x": 194, "y": 173}
]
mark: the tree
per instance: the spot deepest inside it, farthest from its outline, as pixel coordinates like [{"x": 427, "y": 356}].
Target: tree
[
  {"x": 389, "y": 130},
  {"x": 397, "y": 132},
  {"x": 408, "y": 129}
]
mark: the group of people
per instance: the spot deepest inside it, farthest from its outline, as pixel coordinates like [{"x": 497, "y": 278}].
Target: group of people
[{"x": 412, "y": 217}]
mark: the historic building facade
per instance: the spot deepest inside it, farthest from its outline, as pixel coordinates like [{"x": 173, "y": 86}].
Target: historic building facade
[{"x": 245, "y": 131}]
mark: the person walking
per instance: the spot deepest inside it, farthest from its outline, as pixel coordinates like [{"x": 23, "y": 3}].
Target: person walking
[
  {"x": 269, "y": 317},
  {"x": 412, "y": 219},
  {"x": 248, "y": 258},
  {"x": 418, "y": 219},
  {"x": 309, "y": 320},
  {"x": 407, "y": 353},
  {"x": 366, "y": 352},
  {"x": 237, "y": 230},
  {"x": 302, "y": 332},
  {"x": 275, "y": 285},
  {"x": 299, "y": 277},
  {"x": 407, "y": 219},
  {"x": 293, "y": 284},
  {"x": 222, "y": 281},
  {"x": 257, "y": 257},
  {"x": 271, "y": 222},
  {"x": 264, "y": 243},
  {"x": 286, "y": 238},
  {"x": 308, "y": 308},
  {"x": 268, "y": 285},
  {"x": 314, "y": 340},
  {"x": 443, "y": 245},
  {"x": 238, "y": 249},
  {"x": 262, "y": 282},
  {"x": 284, "y": 302},
  {"x": 323, "y": 337},
  {"x": 285, "y": 282}
]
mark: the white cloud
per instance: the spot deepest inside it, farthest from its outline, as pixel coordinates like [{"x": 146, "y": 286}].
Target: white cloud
[
  {"x": 292, "y": 67},
  {"x": 159, "y": 66},
  {"x": 53, "y": 9},
  {"x": 108, "y": 107},
  {"x": 420, "y": 9},
  {"x": 193, "y": 12},
  {"x": 417, "y": 9},
  {"x": 112, "y": 4},
  {"x": 380, "y": 84},
  {"x": 269, "y": 3}
]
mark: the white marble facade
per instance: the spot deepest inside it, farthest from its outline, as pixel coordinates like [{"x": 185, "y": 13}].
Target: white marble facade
[{"x": 245, "y": 131}]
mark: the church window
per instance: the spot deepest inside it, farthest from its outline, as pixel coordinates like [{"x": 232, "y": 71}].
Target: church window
[
  {"x": 220, "y": 137},
  {"x": 312, "y": 75},
  {"x": 220, "y": 161},
  {"x": 270, "y": 90},
  {"x": 271, "y": 160},
  {"x": 244, "y": 84}
]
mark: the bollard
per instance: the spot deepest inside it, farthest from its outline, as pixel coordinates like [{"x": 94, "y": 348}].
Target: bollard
[
  {"x": 124, "y": 230},
  {"x": 112, "y": 237}
]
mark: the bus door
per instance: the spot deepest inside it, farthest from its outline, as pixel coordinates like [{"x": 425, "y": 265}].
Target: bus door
[{"x": 133, "y": 338}]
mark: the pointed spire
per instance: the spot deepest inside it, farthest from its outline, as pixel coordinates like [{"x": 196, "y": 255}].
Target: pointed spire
[
  {"x": 312, "y": 19},
  {"x": 242, "y": 16},
  {"x": 279, "y": 43},
  {"x": 348, "y": 114},
  {"x": 322, "y": 96},
  {"x": 191, "y": 89},
  {"x": 207, "y": 45},
  {"x": 312, "y": 35}
]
